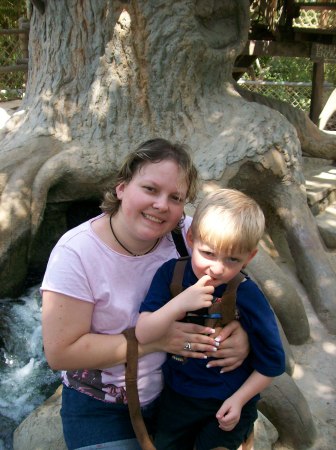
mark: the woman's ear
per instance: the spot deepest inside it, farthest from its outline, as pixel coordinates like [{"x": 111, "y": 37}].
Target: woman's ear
[
  {"x": 189, "y": 238},
  {"x": 120, "y": 188}
]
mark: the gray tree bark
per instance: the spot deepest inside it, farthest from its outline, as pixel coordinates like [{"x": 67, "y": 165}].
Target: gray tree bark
[{"x": 106, "y": 75}]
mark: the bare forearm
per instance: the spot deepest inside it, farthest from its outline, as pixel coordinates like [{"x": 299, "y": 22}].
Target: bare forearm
[
  {"x": 255, "y": 384},
  {"x": 152, "y": 326},
  {"x": 229, "y": 413},
  {"x": 91, "y": 351},
  {"x": 68, "y": 341},
  {"x": 70, "y": 344}
]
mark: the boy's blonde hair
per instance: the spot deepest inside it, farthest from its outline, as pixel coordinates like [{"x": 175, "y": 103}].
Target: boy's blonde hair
[{"x": 228, "y": 221}]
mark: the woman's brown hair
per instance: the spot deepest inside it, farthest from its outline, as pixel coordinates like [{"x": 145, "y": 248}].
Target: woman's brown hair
[{"x": 152, "y": 151}]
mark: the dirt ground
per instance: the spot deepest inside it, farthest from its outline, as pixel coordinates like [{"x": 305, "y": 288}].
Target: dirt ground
[{"x": 315, "y": 372}]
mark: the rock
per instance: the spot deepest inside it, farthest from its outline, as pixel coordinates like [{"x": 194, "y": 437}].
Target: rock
[
  {"x": 42, "y": 429},
  {"x": 265, "y": 434},
  {"x": 287, "y": 409}
]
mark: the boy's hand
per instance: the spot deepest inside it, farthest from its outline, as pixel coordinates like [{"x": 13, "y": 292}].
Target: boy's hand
[
  {"x": 228, "y": 414},
  {"x": 197, "y": 296}
]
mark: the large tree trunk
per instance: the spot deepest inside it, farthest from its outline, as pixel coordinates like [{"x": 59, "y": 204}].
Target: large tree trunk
[
  {"x": 103, "y": 78},
  {"x": 106, "y": 75}
]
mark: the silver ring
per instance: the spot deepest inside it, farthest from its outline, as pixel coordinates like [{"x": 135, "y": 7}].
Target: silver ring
[{"x": 187, "y": 346}]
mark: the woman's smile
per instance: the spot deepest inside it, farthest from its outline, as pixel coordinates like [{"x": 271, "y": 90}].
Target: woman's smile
[
  {"x": 152, "y": 218},
  {"x": 151, "y": 204}
]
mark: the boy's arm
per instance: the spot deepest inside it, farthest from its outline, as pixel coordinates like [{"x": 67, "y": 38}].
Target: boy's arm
[
  {"x": 153, "y": 325},
  {"x": 228, "y": 414}
]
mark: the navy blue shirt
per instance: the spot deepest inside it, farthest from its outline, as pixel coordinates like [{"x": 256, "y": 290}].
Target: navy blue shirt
[{"x": 191, "y": 377}]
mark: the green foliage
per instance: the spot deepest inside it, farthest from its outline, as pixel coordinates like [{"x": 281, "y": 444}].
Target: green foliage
[
  {"x": 10, "y": 11},
  {"x": 284, "y": 69},
  {"x": 330, "y": 73},
  {"x": 290, "y": 69}
]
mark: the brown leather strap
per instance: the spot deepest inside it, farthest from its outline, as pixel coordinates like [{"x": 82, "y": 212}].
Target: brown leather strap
[
  {"x": 176, "y": 283},
  {"x": 226, "y": 307},
  {"x": 132, "y": 391}
]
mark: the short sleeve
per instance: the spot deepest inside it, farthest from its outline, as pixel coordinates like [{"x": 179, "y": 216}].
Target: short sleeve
[
  {"x": 257, "y": 316},
  {"x": 66, "y": 275},
  {"x": 159, "y": 291}
]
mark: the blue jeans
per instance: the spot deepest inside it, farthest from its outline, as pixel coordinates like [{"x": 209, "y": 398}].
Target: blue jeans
[{"x": 91, "y": 424}]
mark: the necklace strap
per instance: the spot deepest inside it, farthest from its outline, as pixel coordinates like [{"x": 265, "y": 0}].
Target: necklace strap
[{"x": 125, "y": 248}]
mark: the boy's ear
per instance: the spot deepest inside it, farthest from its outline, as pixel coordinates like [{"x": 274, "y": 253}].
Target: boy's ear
[
  {"x": 189, "y": 238},
  {"x": 250, "y": 257}
]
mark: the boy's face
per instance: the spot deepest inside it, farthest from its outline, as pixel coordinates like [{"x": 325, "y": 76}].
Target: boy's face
[{"x": 219, "y": 266}]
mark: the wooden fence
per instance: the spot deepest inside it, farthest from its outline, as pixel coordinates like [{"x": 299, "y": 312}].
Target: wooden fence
[{"x": 13, "y": 60}]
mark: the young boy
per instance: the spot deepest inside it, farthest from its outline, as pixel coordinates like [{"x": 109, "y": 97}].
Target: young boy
[{"x": 223, "y": 236}]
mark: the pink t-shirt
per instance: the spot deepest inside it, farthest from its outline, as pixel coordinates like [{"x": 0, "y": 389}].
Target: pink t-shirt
[{"x": 84, "y": 267}]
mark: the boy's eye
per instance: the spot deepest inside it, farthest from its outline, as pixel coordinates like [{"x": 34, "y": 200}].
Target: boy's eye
[
  {"x": 207, "y": 253},
  {"x": 232, "y": 260}
]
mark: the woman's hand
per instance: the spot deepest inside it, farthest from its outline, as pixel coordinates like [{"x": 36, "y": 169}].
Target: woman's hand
[
  {"x": 181, "y": 334},
  {"x": 230, "y": 346},
  {"x": 233, "y": 349}
]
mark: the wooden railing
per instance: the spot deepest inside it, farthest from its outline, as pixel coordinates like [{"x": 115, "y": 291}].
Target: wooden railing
[{"x": 279, "y": 16}]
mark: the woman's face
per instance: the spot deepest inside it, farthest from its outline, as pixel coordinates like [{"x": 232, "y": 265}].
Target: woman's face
[{"x": 152, "y": 202}]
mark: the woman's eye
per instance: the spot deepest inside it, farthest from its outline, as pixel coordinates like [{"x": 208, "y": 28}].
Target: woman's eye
[
  {"x": 177, "y": 198},
  {"x": 149, "y": 188}
]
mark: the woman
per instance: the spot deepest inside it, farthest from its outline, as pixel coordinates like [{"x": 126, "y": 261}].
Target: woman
[{"x": 96, "y": 279}]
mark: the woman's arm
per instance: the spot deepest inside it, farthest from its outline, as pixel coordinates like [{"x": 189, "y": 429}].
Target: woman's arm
[{"x": 68, "y": 342}]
